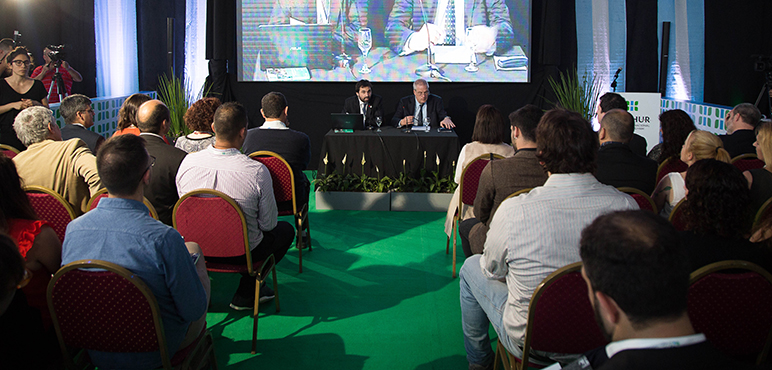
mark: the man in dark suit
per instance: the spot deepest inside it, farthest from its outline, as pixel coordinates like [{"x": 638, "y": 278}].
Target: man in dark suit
[
  {"x": 618, "y": 166},
  {"x": 417, "y": 108},
  {"x": 347, "y": 17},
  {"x": 276, "y": 136},
  {"x": 637, "y": 275},
  {"x": 153, "y": 120},
  {"x": 364, "y": 102},
  {"x": 489, "y": 20},
  {"x": 611, "y": 101},
  {"x": 78, "y": 118},
  {"x": 740, "y": 123}
]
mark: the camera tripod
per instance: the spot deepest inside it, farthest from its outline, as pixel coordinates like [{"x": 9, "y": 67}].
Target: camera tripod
[{"x": 58, "y": 81}]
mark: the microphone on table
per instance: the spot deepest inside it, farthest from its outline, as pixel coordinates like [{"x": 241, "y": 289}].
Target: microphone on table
[{"x": 428, "y": 70}]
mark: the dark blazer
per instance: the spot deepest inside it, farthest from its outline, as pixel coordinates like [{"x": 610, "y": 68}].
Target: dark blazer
[
  {"x": 434, "y": 110},
  {"x": 618, "y": 166},
  {"x": 638, "y": 145},
  {"x": 702, "y": 356},
  {"x": 406, "y": 17},
  {"x": 706, "y": 249},
  {"x": 294, "y": 146},
  {"x": 373, "y": 108},
  {"x": 739, "y": 142},
  {"x": 92, "y": 139},
  {"x": 162, "y": 190}
]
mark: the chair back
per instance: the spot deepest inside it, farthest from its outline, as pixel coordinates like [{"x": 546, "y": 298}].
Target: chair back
[
  {"x": 669, "y": 165},
  {"x": 214, "y": 221},
  {"x": 560, "y": 317},
  {"x": 101, "y": 306},
  {"x": 102, "y": 193},
  {"x": 521, "y": 191},
  {"x": 676, "y": 217},
  {"x": 283, "y": 180},
  {"x": 644, "y": 200},
  {"x": 8, "y": 150},
  {"x": 729, "y": 301},
  {"x": 470, "y": 178},
  {"x": 50, "y": 206},
  {"x": 764, "y": 212},
  {"x": 747, "y": 161}
]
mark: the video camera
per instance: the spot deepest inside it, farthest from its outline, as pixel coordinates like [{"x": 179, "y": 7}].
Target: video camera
[
  {"x": 56, "y": 54},
  {"x": 763, "y": 63}
]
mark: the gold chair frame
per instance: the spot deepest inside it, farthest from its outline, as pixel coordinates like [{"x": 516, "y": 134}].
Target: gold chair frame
[{"x": 99, "y": 193}]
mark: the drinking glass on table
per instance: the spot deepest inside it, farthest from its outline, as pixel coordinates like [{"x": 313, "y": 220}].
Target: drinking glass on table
[
  {"x": 470, "y": 42},
  {"x": 365, "y": 42},
  {"x": 378, "y": 122}
]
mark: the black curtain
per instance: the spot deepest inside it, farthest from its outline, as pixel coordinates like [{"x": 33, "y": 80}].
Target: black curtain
[
  {"x": 642, "y": 46},
  {"x": 152, "y": 40}
]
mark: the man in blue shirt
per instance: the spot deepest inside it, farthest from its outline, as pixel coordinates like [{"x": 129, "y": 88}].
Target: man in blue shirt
[{"x": 120, "y": 230}]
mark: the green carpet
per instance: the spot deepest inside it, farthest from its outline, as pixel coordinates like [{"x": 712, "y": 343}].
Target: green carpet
[{"x": 376, "y": 293}]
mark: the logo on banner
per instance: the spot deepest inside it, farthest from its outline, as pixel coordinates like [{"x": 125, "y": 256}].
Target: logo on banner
[{"x": 632, "y": 105}]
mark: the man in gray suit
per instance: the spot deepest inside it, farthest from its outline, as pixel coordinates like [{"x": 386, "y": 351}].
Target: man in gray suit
[{"x": 78, "y": 118}]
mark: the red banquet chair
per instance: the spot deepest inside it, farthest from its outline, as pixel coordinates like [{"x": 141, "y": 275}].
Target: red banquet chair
[
  {"x": 669, "y": 165},
  {"x": 102, "y": 193},
  {"x": 8, "y": 150},
  {"x": 729, "y": 302},
  {"x": 467, "y": 188},
  {"x": 747, "y": 162},
  {"x": 764, "y": 212},
  {"x": 560, "y": 320},
  {"x": 676, "y": 217},
  {"x": 215, "y": 221},
  {"x": 284, "y": 191},
  {"x": 101, "y": 306},
  {"x": 52, "y": 207},
  {"x": 644, "y": 200}
]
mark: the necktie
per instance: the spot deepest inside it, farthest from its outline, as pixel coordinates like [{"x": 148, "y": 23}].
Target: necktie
[
  {"x": 450, "y": 23},
  {"x": 322, "y": 11},
  {"x": 419, "y": 118},
  {"x": 364, "y": 112}
]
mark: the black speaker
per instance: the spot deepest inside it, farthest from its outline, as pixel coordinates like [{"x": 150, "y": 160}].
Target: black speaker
[{"x": 663, "y": 61}]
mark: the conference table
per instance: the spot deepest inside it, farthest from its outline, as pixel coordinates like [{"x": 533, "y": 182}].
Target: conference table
[
  {"x": 389, "y": 153},
  {"x": 385, "y": 65}
]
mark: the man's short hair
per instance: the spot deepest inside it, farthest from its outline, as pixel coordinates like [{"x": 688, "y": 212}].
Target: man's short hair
[
  {"x": 73, "y": 104},
  {"x": 619, "y": 125},
  {"x": 229, "y": 119},
  {"x": 273, "y": 104},
  {"x": 566, "y": 143},
  {"x": 420, "y": 82},
  {"x": 154, "y": 121},
  {"x": 362, "y": 83},
  {"x": 121, "y": 163},
  {"x": 31, "y": 124},
  {"x": 611, "y": 101},
  {"x": 526, "y": 119},
  {"x": 636, "y": 258},
  {"x": 749, "y": 113},
  {"x": 7, "y": 44}
]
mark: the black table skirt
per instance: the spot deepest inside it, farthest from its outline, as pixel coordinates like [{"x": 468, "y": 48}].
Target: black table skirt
[{"x": 392, "y": 151}]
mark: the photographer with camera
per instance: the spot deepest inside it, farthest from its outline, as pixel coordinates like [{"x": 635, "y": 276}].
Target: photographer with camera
[{"x": 53, "y": 56}]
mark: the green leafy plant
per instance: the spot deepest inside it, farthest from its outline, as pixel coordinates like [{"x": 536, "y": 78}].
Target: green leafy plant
[
  {"x": 575, "y": 95},
  {"x": 178, "y": 95}
]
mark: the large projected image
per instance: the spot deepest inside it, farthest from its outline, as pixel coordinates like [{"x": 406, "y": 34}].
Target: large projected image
[{"x": 391, "y": 40}]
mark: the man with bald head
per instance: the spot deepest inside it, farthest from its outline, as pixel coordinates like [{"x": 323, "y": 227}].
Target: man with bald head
[
  {"x": 618, "y": 166},
  {"x": 153, "y": 120}
]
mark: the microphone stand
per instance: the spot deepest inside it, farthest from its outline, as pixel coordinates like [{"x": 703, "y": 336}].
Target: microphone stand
[
  {"x": 614, "y": 83},
  {"x": 428, "y": 70}
]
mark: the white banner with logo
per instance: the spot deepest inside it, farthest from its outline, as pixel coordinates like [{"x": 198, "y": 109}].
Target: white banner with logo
[{"x": 645, "y": 108}]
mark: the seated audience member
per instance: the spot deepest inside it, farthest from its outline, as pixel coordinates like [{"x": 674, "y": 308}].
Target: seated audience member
[
  {"x": 24, "y": 343},
  {"x": 127, "y": 115},
  {"x": 671, "y": 189},
  {"x": 36, "y": 240},
  {"x": 717, "y": 218},
  {"x": 609, "y": 101},
  {"x": 531, "y": 236},
  {"x": 153, "y": 121},
  {"x": 66, "y": 167},
  {"x": 739, "y": 123},
  {"x": 421, "y": 107},
  {"x": 675, "y": 126},
  {"x": 156, "y": 253},
  {"x": 6, "y": 47},
  {"x": 618, "y": 166},
  {"x": 79, "y": 117},
  {"x": 276, "y": 136},
  {"x": 199, "y": 119},
  {"x": 502, "y": 177},
  {"x": 637, "y": 275},
  {"x": 224, "y": 168},
  {"x": 760, "y": 179},
  {"x": 364, "y": 102},
  {"x": 489, "y": 134}
]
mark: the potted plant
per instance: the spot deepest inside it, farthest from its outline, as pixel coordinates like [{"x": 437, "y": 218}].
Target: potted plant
[
  {"x": 575, "y": 95},
  {"x": 352, "y": 191}
]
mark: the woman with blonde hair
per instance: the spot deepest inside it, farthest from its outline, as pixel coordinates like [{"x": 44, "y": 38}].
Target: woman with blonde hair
[
  {"x": 672, "y": 189},
  {"x": 760, "y": 179}
]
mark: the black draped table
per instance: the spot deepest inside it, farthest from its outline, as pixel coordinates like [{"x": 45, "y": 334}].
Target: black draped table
[{"x": 389, "y": 153}]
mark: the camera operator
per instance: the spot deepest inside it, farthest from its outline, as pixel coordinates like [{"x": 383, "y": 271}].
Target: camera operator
[{"x": 52, "y": 57}]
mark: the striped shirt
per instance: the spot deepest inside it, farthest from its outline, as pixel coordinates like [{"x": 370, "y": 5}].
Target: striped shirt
[
  {"x": 245, "y": 180},
  {"x": 534, "y": 234}
]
